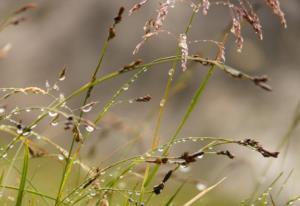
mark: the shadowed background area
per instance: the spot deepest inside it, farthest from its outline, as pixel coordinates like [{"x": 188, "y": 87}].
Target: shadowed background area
[{"x": 72, "y": 32}]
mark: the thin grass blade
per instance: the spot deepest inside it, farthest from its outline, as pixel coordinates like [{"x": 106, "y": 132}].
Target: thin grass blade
[
  {"x": 201, "y": 194},
  {"x": 24, "y": 176}
]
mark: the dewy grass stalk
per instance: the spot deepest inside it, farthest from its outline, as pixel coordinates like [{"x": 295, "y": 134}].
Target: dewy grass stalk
[
  {"x": 102, "y": 185},
  {"x": 163, "y": 101}
]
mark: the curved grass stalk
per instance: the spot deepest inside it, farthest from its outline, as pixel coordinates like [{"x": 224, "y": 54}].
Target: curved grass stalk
[
  {"x": 85, "y": 87},
  {"x": 117, "y": 94},
  {"x": 9, "y": 129},
  {"x": 292, "y": 201},
  {"x": 55, "y": 104},
  {"x": 97, "y": 81},
  {"x": 156, "y": 138},
  {"x": 189, "y": 110},
  {"x": 107, "y": 77},
  {"x": 89, "y": 92},
  {"x": 216, "y": 141},
  {"x": 106, "y": 109},
  {"x": 66, "y": 172}
]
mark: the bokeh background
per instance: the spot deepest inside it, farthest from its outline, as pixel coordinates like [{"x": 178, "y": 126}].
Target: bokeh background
[{"x": 72, "y": 32}]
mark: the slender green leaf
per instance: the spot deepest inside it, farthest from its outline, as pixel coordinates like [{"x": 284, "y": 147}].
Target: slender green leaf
[
  {"x": 189, "y": 110},
  {"x": 24, "y": 176},
  {"x": 204, "y": 192},
  {"x": 1, "y": 177},
  {"x": 175, "y": 194}
]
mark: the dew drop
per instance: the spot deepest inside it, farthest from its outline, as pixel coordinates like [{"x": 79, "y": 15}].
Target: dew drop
[
  {"x": 171, "y": 72},
  {"x": 162, "y": 102},
  {"x": 33, "y": 126},
  {"x": 200, "y": 156},
  {"x": 11, "y": 198},
  {"x": 56, "y": 87},
  {"x": 184, "y": 168},
  {"x": 52, "y": 114},
  {"x": 89, "y": 128},
  {"x": 47, "y": 85},
  {"x": 62, "y": 78},
  {"x": 200, "y": 186},
  {"x": 2, "y": 110},
  {"x": 93, "y": 193},
  {"x": 26, "y": 133},
  {"x": 54, "y": 123},
  {"x": 19, "y": 131},
  {"x": 61, "y": 97},
  {"x": 125, "y": 87},
  {"x": 130, "y": 199},
  {"x": 16, "y": 113},
  {"x": 122, "y": 185},
  {"x": 87, "y": 109},
  {"x": 60, "y": 157}
]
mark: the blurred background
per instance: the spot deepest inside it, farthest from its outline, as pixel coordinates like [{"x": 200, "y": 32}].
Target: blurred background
[{"x": 72, "y": 32}]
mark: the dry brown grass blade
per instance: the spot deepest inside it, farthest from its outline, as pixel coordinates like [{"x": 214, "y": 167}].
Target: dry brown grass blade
[{"x": 202, "y": 193}]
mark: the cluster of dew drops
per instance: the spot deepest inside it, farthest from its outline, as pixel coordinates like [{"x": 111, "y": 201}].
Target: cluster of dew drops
[
  {"x": 23, "y": 130},
  {"x": 26, "y": 131},
  {"x": 182, "y": 168}
]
